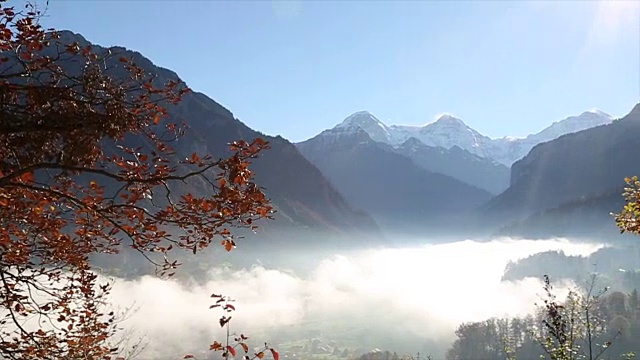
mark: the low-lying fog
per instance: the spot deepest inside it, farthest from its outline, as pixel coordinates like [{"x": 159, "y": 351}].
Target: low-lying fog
[{"x": 402, "y": 299}]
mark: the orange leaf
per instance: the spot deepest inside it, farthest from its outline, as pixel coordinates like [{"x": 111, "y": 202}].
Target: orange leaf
[
  {"x": 228, "y": 245},
  {"x": 27, "y": 177},
  {"x": 244, "y": 347},
  {"x": 156, "y": 119},
  {"x": 260, "y": 355}
]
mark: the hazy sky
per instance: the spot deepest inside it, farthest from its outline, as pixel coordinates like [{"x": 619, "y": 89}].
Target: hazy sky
[{"x": 297, "y": 67}]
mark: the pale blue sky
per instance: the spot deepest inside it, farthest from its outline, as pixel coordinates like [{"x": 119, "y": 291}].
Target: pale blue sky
[{"x": 295, "y": 68}]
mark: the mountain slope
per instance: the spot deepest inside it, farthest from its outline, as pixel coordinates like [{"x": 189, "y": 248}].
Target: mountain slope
[
  {"x": 458, "y": 163},
  {"x": 389, "y": 186},
  {"x": 588, "y": 217},
  {"x": 572, "y": 168},
  {"x": 300, "y": 193}
]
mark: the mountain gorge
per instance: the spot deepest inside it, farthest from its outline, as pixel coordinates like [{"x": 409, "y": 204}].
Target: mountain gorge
[
  {"x": 556, "y": 177},
  {"x": 363, "y": 173},
  {"x": 398, "y": 193},
  {"x": 134, "y": 213}
]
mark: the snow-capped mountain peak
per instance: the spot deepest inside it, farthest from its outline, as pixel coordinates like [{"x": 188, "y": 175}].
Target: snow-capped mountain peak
[
  {"x": 446, "y": 119},
  {"x": 360, "y": 118},
  {"x": 364, "y": 120},
  {"x": 449, "y": 131},
  {"x": 597, "y": 112},
  {"x": 586, "y": 120}
]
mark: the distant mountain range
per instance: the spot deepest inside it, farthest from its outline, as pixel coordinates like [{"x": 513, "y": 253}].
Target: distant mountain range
[
  {"x": 450, "y": 147},
  {"x": 448, "y": 131}
]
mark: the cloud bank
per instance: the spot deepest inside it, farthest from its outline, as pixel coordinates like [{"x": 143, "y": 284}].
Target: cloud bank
[{"x": 374, "y": 298}]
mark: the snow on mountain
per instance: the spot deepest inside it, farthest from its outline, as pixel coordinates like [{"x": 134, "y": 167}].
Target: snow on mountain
[
  {"x": 508, "y": 151},
  {"x": 448, "y": 131},
  {"x": 586, "y": 120},
  {"x": 366, "y": 121}
]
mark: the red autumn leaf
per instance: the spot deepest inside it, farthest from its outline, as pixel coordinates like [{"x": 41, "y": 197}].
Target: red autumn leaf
[
  {"x": 189, "y": 356},
  {"x": 245, "y": 347},
  {"x": 275, "y": 354},
  {"x": 260, "y": 355},
  {"x": 231, "y": 350}
]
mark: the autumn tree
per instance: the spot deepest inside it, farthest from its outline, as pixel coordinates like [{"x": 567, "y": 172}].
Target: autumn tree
[
  {"x": 86, "y": 168},
  {"x": 628, "y": 220}
]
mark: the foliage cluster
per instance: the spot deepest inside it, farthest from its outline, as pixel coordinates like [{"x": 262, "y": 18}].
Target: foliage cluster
[{"x": 86, "y": 168}]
